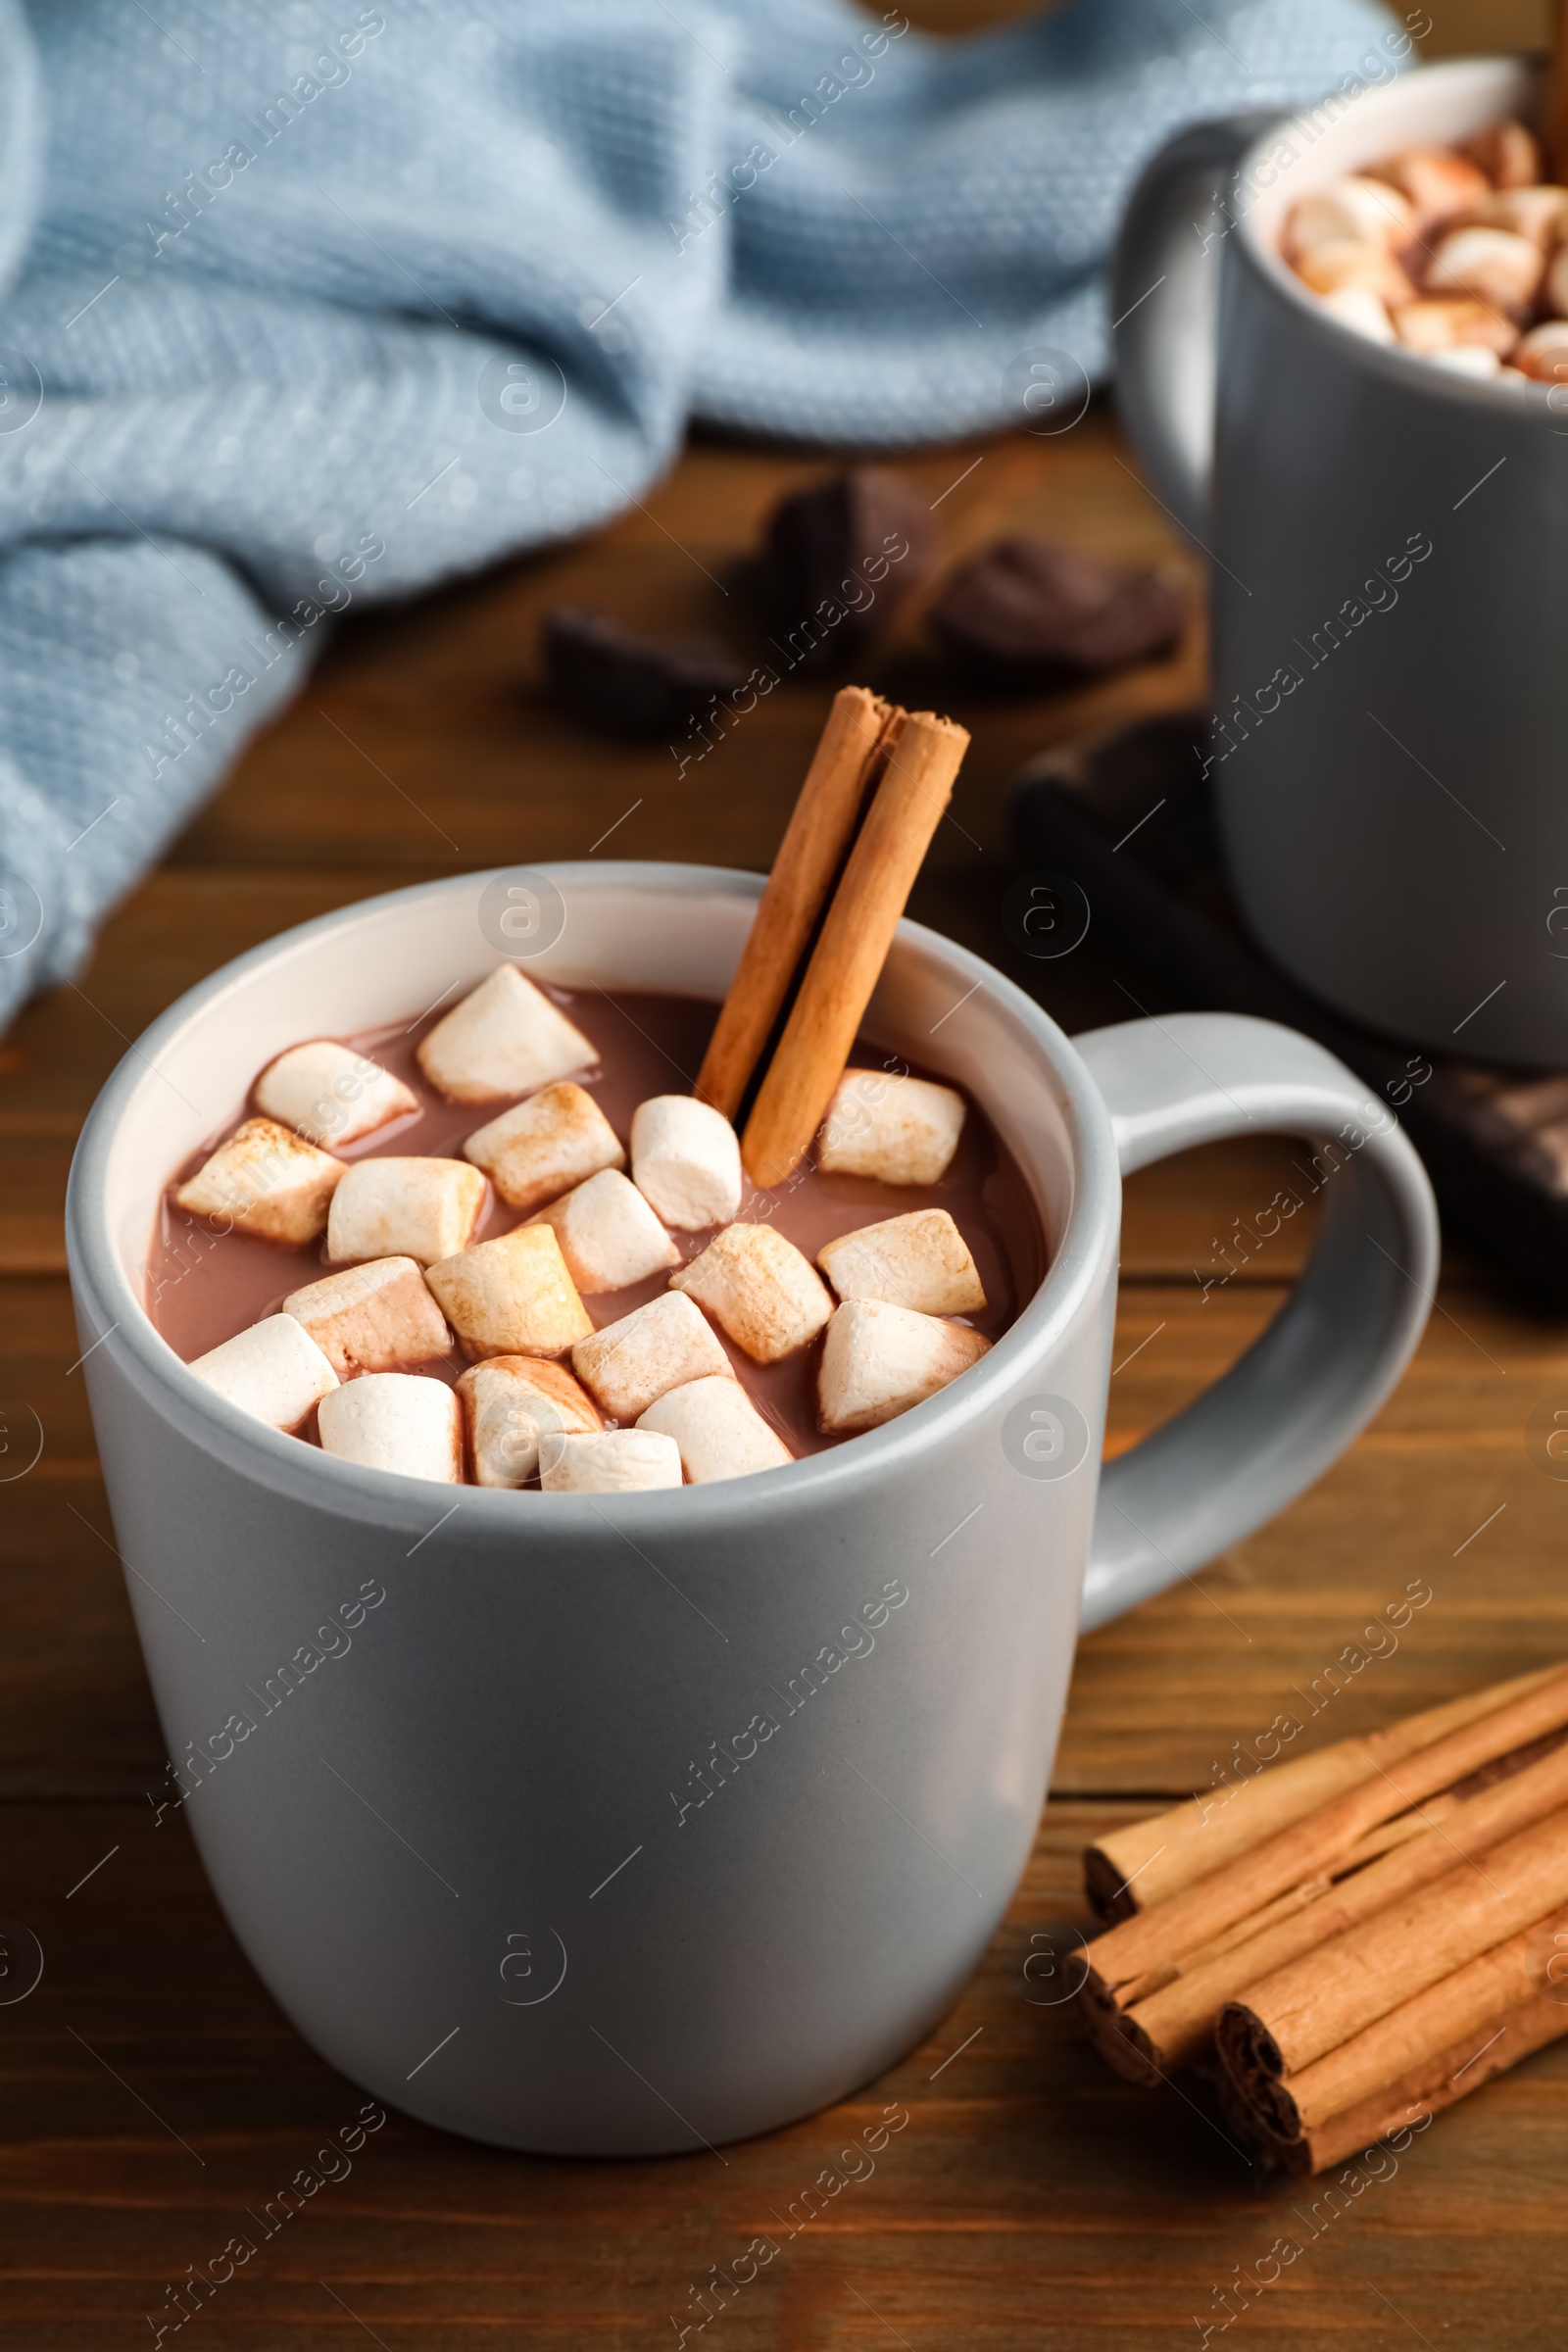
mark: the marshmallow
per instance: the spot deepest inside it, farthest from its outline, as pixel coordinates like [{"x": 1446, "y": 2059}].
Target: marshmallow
[
  {"x": 1439, "y": 183},
  {"x": 920, "y": 1261},
  {"x": 1450, "y": 325},
  {"x": 517, "y": 1405},
  {"x": 559, "y": 1137},
  {"x": 371, "y": 1318},
  {"x": 609, "y": 1235},
  {"x": 719, "y": 1431},
  {"x": 1352, "y": 211},
  {"x": 619, "y": 1461},
  {"x": 1497, "y": 265},
  {"x": 1538, "y": 214},
  {"x": 504, "y": 1039},
  {"x": 267, "y": 1181},
  {"x": 423, "y": 1208},
  {"x": 759, "y": 1288},
  {"x": 395, "y": 1421},
  {"x": 1328, "y": 267},
  {"x": 685, "y": 1161},
  {"x": 512, "y": 1297},
  {"x": 657, "y": 1346},
  {"x": 329, "y": 1094},
  {"x": 879, "y": 1360},
  {"x": 1543, "y": 354},
  {"x": 1468, "y": 359},
  {"x": 900, "y": 1130},
  {"x": 1358, "y": 308},
  {"x": 274, "y": 1370},
  {"x": 1507, "y": 153}
]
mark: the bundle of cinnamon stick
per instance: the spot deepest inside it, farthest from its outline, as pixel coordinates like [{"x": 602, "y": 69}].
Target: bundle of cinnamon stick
[
  {"x": 1355, "y": 1939},
  {"x": 874, "y": 793}
]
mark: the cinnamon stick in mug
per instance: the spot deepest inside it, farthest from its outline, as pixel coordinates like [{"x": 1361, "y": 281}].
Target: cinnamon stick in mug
[
  {"x": 923, "y": 761},
  {"x": 845, "y": 763}
]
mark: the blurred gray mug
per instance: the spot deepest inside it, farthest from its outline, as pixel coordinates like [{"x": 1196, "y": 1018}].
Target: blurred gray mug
[
  {"x": 611, "y": 1824},
  {"x": 1388, "y": 557}
]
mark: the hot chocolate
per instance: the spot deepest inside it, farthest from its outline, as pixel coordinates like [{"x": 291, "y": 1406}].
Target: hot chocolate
[{"x": 370, "y": 1217}]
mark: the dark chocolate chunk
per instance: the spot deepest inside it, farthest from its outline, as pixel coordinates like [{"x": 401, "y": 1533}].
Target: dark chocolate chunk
[
  {"x": 1025, "y": 607},
  {"x": 619, "y": 682},
  {"x": 841, "y": 558}
]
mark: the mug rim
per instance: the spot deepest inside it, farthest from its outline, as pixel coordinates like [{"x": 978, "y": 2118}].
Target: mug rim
[
  {"x": 1408, "y": 368},
  {"x": 105, "y": 1296}
]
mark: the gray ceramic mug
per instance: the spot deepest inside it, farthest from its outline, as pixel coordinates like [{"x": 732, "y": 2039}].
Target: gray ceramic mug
[
  {"x": 1389, "y": 547},
  {"x": 611, "y": 1825}
]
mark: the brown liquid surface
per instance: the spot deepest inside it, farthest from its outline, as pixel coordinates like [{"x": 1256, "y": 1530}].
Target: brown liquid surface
[{"x": 202, "y": 1286}]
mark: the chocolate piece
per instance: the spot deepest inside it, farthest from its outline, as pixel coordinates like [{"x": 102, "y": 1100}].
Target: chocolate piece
[
  {"x": 841, "y": 558},
  {"x": 618, "y": 682},
  {"x": 1025, "y": 606}
]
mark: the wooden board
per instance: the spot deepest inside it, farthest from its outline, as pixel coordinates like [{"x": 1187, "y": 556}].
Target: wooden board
[{"x": 153, "y": 2093}]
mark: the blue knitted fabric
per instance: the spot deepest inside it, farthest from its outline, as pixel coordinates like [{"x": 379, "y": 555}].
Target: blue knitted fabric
[{"x": 307, "y": 306}]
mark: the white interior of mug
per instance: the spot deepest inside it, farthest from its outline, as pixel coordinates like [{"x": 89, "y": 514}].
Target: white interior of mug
[{"x": 673, "y": 928}]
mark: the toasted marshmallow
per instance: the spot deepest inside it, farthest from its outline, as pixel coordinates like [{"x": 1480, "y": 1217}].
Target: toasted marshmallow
[
  {"x": 1450, "y": 325},
  {"x": 759, "y": 1288},
  {"x": 920, "y": 1261},
  {"x": 686, "y": 1160},
  {"x": 1358, "y": 308},
  {"x": 267, "y": 1181},
  {"x": 1495, "y": 265},
  {"x": 1543, "y": 354},
  {"x": 719, "y": 1431},
  {"x": 374, "y": 1318},
  {"x": 518, "y": 1407},
  {"x": 1539, "y": 214},
  {"x": 504, "y": 1039},
  {"x": 1352, "y": 211},
  {"x": 1439, "y": 183},
  {"x": 512, "y": 1297},
  {"x": 274, "y": 1370},
  {"x": 421, "y": 1208},
  {"x": 1328, "y": 267},
  {"x": 395, "y": 1421},
  {"x": 879, "y": 1360},
  {"x": 1507, "y": 153},
  {"x": 656, "y": 1348},
  {"x": 559, "y": 1137},
  {"x": 609, "y": 1235},
  {"x": 899, "y": 1130},
  {"x": 329, "y": 1094},
  {"x": 619, "y": 1461}
]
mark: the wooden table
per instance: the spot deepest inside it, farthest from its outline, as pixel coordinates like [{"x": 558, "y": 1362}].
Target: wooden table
[{"x": 153, "y": 2093}]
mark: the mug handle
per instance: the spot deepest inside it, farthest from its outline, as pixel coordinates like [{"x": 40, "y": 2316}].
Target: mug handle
[
  {"x": 1279, "y": 1416},
  {"x": 1165, "y": 282}
]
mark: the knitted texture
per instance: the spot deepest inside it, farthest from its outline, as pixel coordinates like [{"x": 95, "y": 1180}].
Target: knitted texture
[{"x": 309, "y": 305}]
